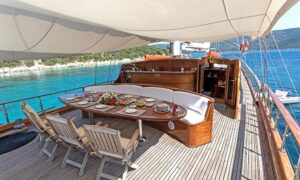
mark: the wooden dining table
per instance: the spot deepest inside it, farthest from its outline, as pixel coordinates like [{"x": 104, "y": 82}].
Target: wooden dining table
[{"x": 143, "y": 113}]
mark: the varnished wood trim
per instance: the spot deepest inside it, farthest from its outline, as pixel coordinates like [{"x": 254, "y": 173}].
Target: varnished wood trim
[
  {"x": 9, "y": 126},
  {"x": 280, "y": 161},
  {"x": 290, "y": 121},
  {"x": 238, "y": 89}
]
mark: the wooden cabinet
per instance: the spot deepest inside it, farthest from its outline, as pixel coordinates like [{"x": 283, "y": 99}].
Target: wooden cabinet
[{"x": 183, "y": 80}]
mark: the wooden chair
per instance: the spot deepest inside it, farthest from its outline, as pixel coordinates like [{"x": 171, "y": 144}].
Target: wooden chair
[
  {"x": 75, "y": 137},
  {"x": 44, "y": 130},
  {"x": 27, "y": 111},
  {"x": 108, "y": 143}
]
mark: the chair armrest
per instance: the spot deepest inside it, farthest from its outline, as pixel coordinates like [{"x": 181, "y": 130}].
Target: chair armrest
[
  {"x": 133, "y": 138},
  {"x": 47, "y": 128},
  {"x": 98, "y": 123},
  {"x": 72, "y": 118},
  {"x": 54, "y": 113}
]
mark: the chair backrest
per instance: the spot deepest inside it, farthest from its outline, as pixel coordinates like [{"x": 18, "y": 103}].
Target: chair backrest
[
  {"x": 101, "y": 88},
  {"x": 159, "y": 93},
  {"x": 31, "y": 116},
  {"x": 104, "y": 140},
  {"x": 62, "y": 129},
  {"x": 193, "y": 101},
  {"x": 129, "y": 89}
]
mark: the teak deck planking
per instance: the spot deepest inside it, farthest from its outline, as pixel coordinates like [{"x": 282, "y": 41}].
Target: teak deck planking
[{"x": 235, "y": 153}]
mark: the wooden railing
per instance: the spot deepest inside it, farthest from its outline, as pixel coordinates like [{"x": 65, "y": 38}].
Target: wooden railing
[
  {"x": 273, "y": 113},
  {"x": 289, "y": 120}
]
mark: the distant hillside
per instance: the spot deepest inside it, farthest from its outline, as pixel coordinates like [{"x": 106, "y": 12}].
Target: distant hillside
[
  {"x": 122, "y": 54},
  {"x": 286, "y": 39}
]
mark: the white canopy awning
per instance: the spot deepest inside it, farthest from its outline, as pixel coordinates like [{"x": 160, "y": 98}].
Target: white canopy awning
[{"x": 43, "y": 28}]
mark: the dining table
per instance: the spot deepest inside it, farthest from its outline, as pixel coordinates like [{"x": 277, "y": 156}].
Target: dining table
[{"x": 137, "y": 108}]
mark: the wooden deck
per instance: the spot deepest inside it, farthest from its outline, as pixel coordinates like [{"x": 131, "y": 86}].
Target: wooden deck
[{"x": 236, "y": 152}]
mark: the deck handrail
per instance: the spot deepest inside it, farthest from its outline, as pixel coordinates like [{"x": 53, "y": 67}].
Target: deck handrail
[
  {"x": 267, "y": 99},
  {"x": 252, "y": 74},
  {"x": 39, "y": 97},
  {"x": 288, "y": 118},
  {"x": 48, "y": 94}
]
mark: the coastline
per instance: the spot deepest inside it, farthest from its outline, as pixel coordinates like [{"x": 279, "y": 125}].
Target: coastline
[{"x": 7, "y": 71}]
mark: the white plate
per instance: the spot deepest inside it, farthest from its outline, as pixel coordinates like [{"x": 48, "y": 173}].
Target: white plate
[
  {"x": 128, "y": 96},
  {"x": 132, "y": 106},
  {"x": 100, "y": 106},
  {"x": 70, "y": 98},
  {"x": 149, "y": 104},
  {"x": 130, "y": 111},
  {"x": 83, "y": 102},
  {"x": 149, "y": 99}
]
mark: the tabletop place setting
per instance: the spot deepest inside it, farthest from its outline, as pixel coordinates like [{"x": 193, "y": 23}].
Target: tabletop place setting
[{"x": 133, "y": 105}]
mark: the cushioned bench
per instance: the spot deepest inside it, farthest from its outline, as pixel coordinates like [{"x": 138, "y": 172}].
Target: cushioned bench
[
  {"x": 194, "y": 129},
  {"x": 196, "y": 106},
  {"x": 159, "y": 93},
  {"x": 129, "y": 89},
  {"x": 100, "y": 88}
]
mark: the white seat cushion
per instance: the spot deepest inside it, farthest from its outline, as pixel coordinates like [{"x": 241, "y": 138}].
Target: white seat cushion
[
  {"x": 129, "y": 89},
  {"x": 100, "y": 88},
  {"x": 159, "y": 93},
  {"x": 192, "y": 101},
  {"x": 193, "y": 117}
]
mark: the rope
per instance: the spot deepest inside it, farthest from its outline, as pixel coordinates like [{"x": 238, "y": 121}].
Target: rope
[
  {"x": 261, "y": 57},
  {"x": 289, "y": 75},
  {"x": 283, "y": 61},
  {"x": 277, "y": 75},
  {"x": 270, "y": 69},
  {"x": 227, "y": 44},
  {"x": 257, "y": 67},
  {"x": 267, "y": 62}
]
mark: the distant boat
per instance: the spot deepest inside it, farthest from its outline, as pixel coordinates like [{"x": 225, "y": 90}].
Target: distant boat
[
  {"x": 199, "y": 47},
  {"x": 284, "y": 97}
]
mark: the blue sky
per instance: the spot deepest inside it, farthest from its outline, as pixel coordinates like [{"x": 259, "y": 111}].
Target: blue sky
[{"x": 290, "y": 19}]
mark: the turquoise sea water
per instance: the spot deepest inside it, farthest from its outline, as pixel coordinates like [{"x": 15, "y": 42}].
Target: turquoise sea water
[{"x": 24, "y": 85}]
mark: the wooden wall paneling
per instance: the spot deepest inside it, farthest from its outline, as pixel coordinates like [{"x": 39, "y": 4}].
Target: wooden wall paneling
[
  {"x": 190, "y": 135},
  {"x": 238, "y": 88},
  {"x": 184, "y": 80}
]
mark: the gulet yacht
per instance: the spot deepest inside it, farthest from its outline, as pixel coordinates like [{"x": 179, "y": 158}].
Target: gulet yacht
[{"x": 167, "y": 118}]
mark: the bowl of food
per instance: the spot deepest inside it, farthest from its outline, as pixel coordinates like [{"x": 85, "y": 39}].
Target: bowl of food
[
  {"x": 162, "y": 108},
  {"x": 140, "y": 103},
  {"x": 123, "y": 101}
]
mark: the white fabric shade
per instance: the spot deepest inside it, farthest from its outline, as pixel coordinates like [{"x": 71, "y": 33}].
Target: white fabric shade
[{"x": 47, "y": 27}]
